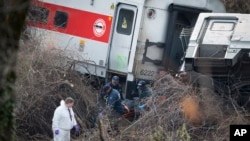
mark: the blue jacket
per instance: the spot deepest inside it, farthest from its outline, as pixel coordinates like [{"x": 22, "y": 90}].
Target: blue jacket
[
  {"x": 114, "y": 100},
  {"x": 118, "y": 87}
]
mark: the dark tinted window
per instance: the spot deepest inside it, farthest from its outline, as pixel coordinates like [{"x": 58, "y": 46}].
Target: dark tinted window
[
  {"x": 125, "y": 21},
  {"x": 38, "y": 14},
  {"x": 61, "y": 19}
]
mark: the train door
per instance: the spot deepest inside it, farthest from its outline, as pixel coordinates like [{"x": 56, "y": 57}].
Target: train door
[
  {"x": 122, "y": 38},
  {"x": 181, "y": 22}
]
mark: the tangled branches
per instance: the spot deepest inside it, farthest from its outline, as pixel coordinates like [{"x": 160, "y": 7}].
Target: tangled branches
[
  {"x": 43, "y": 80},
  {"x": 180, "y": 112},
  {"x": 175, "y": 111}
]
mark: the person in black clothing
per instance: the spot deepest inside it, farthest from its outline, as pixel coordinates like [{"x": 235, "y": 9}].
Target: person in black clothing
[{"x": 116, "y": 85}]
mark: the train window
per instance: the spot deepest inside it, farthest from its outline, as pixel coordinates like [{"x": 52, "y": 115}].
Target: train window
[
  {"x": 38, "y": 14},
  {"x": 222, "y": 26},
  {"x": 61, "y": 19},
  {"x": 125, "y": 21}
]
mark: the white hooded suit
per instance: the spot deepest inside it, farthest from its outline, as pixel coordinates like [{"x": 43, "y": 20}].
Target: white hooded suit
[{"x": 64, "y": 121}]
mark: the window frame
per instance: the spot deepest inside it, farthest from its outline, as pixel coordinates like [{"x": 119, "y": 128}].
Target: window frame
[
  {"x": 35, "y": 12},
  {"x": 56, "y": 19},
  {"x": 129, "y": 24}
]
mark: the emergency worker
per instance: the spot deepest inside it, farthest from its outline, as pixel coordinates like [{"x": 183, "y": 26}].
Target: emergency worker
[
  {"x": 143, "y": 90},
  {"x": 116, "y": 85},
  {"x": 64, "y": 120},
  {"x": 114, "y": 99}
]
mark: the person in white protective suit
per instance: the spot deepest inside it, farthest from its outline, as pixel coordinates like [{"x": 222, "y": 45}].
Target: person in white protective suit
[{"x": 64, "y": 120}]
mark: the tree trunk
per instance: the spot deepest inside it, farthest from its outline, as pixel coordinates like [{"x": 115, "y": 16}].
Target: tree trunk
[{"x": 12, "y": 18}]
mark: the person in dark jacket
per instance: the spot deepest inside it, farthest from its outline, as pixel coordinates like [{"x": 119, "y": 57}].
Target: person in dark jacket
[
  {"x": 114, "y": 99},
  {"x": 143, "y": 90},
  {"x": 116, "y": 85}
]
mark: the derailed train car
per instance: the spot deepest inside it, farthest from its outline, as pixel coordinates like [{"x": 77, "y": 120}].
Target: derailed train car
[
  {"x": 219, "y": 48},
  {"x": 134, "y": 39}
]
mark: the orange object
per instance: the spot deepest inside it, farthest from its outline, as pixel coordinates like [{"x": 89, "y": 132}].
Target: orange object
[{"x": 191, "y": 110}]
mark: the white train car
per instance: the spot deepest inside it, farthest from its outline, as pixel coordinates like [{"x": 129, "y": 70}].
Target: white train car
[{"x": 135, "y": 39}]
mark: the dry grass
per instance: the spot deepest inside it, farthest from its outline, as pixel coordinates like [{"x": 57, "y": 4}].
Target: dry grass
[
  {"x": 237, "y": 6},
  {"x": 44, "y": 78},
  {"x": 175, "y": 112}
]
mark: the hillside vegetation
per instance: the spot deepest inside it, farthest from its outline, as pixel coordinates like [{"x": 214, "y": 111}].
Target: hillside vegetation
[
  {"x": 237, "y": 6},
  {"x": 186, "y": 113}
]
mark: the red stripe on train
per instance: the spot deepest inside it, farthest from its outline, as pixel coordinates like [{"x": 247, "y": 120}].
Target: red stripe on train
[{"x": 80, "y": 23}]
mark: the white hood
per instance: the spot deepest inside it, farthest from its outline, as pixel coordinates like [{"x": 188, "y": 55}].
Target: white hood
[
  {"x": 62, "y": 103},
  {"x": 61, "y": 118}
]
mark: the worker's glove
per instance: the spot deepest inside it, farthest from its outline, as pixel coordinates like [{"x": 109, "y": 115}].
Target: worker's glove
[
  {"x": 77, "y": 128},
  {"x": 140, "y": 107},
  {"x": 100, "y": 115},
  {"x": 57, "y": 132}
]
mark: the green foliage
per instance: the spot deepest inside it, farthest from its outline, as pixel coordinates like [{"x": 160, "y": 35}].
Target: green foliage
[
  {"x": 183, "y": 134},
  {"x": 6, "y": 116},
  {"x": 157, "y": 134}
]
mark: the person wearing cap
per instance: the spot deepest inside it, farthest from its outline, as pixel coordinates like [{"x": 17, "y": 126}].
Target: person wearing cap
[
  {"x": 143, "y": 90},
  {"x": 114, "y": 99},
  {"x": 116, "y": 85}
]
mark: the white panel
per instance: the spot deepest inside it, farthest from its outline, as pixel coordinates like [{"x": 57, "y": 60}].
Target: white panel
[
  {"x": 154, "y": 29},
  {"x": 219, "y": 32},
  {"x": 93, "y": 51}
]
